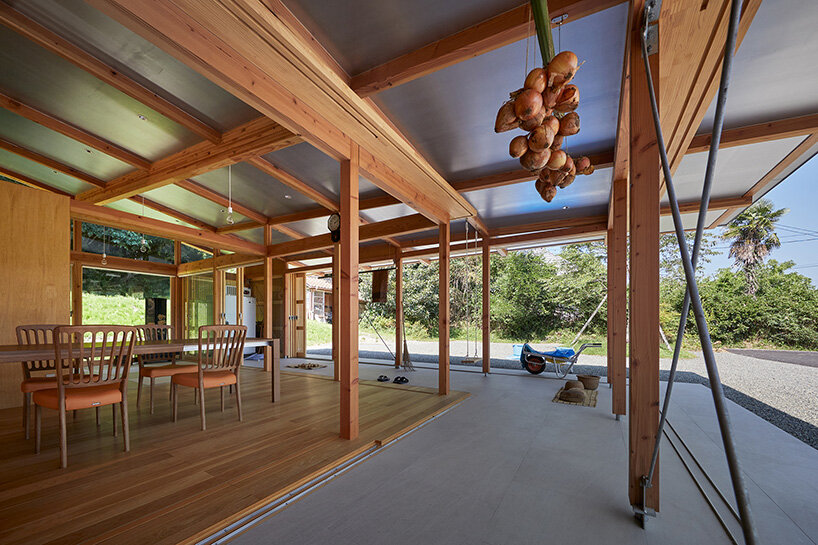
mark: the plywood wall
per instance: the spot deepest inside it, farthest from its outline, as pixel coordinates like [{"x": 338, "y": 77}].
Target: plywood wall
[{"x": 34, "y": 269}]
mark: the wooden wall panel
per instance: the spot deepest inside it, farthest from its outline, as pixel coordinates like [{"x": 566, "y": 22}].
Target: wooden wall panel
[{"x": 34, "y": 269}]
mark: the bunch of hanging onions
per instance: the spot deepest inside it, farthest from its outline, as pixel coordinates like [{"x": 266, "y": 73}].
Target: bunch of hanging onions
[{"x": 545, "y": 109}]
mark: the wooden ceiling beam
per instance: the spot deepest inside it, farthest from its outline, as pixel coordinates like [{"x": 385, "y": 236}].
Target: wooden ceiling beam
[
  {"x": 621, "y": 151},
  {"x": 291, "y": 181},
  {"x": 249, "y": 140},
  {"x": 88, "y": 259},
  {"x": 506, "y": 28},
  {"x": 599, "y": 227},
  {"x": 249, "y": 48},
  {"x": 73, "y": 132},
  {"x": 372, "y": 231},
  {"x": 175, "y": 214},
  {"x": 123, "y": 220},
  {"x": 47, "y": 39},
  {"x": 50, "y": 163},
  {"x": 760, "y": 132},
  {"x": 217, "y": 198}
]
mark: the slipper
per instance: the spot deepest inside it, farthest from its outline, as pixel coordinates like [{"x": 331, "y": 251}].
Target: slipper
[
  {"x": 383, "y": 378},
  {"x": 401, "y": 380}
]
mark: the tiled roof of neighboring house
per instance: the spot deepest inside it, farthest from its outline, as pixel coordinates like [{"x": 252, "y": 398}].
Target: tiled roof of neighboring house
[{"x": 317, "y": 283}]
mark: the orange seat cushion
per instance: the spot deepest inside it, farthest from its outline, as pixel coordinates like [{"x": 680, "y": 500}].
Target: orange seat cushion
[
  {"x": 79, "y": 398},
  {"x": 37, "y": 383},
  {"x": 212, "y": 379},
  {"x": 167, "y": 370}
]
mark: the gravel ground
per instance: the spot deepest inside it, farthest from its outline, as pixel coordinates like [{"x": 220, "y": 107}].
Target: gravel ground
[{"x": 784, "y": 394}]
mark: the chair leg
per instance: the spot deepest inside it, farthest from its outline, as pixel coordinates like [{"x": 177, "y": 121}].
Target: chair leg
[
  {"x": 238, "y": 399},
  {"x": 152, "y": 382},
  {"x": 75, "y": 413},
  {"x": 174, "y": 398},
  {"x": 221, "y": 392},
  {"x": 37, "y": 426},
  {"x": 63, "y": 440},
  {"x": 97, "y": 410},
  {"x": 26, "y": 413},
  {"x": 202, "y": 408},
  {"x": 196, "y": 395},
  {"x": 139, "y": 391},
  {"x": 113, "y": 417},
  {"x": 123, "y": 409}
]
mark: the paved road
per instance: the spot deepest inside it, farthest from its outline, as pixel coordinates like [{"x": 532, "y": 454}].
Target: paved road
[{"x": 809, "y": 359}]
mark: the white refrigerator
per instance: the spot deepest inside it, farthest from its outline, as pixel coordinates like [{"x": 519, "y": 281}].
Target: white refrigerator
[{"x": 249, "y": 317}]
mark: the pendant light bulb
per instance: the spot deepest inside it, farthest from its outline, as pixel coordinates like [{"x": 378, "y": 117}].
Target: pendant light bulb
[
  {"x": 229, "y": 217},
  {"x": 144, "y": 247},
  {"x": 104, "y": 258}
]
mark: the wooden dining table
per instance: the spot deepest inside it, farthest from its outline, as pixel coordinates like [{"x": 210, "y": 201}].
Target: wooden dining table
[{"x": 14, "y": 353}]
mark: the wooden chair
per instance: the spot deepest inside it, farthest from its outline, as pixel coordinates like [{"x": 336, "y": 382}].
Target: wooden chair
[
  {"x": 34, "y": 372},
  {"x": 148, "y": 367},
  {"x": 93, "y": 362},
  {"x": 221, "y": 353}
]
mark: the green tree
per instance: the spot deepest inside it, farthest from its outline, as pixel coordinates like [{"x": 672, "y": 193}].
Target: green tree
[{"x": 753, "y": 237}]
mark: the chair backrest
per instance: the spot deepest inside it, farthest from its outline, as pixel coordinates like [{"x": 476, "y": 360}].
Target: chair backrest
[
  {"x": 221, "y": 347},
  {"x": 32, "y": 335},
  {"x": 93, "y": 355},
  {"x": 155, "y": 332}
]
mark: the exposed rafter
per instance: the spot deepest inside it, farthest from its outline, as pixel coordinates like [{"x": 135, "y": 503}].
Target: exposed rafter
[
  {"x": 216, "y": 197},
  {"x": 760, "y": 132},
  {"x": 50, "y": 163},
  {"x": 31, "y": 182},
  {"x": 253, "y": 138},
  {"x": 43, "y": 37},
  {"x": 503, "y": 29},
  {"x": 123, "y": 220},
  {"x": 74, "y": 132}
]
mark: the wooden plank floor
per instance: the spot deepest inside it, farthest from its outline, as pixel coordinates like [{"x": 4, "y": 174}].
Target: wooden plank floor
[{"x": 179, "y": 484}]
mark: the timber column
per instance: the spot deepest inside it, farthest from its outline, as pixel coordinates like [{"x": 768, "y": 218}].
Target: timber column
[
  {"x": 443, "y": 310},
  {"x": 348, "y": 317},
  {"x": 617, "y": 295},
  {"x": 398, "y": 308},
  {"x": 486, "y": 304},
  {"x": 644, "y": 274}
]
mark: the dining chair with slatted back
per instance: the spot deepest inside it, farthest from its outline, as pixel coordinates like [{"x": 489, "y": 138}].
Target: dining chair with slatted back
[
  {"x": 153, "y": 366},
  {"x": 39, "y": 374},
  {"x": 93, "y": 363},
  {"x": 221, "y": 353}
]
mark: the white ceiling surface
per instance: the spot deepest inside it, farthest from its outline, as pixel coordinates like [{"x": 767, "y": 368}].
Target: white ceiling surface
[
  {"x": 132, "y": 207},
  {"x": 449, "y": 114},
  {"x": 737, "y": 169},
  {"x": 775, "y": 73}
]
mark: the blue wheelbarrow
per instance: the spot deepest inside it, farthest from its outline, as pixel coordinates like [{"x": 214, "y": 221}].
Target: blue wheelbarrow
[{"x": 563, "y": 359}]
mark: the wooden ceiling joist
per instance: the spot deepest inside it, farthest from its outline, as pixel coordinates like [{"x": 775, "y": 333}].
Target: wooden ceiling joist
[
  {"x": 372, "y": 231},
  {"x": 73, "y": 132},
  {"x": 88, "y": 259},
  {"x": 50, "y": 163},
  {"x": 249, "y": 140},
  {"x": 248, "y": 49},
  {"x": 123, "y": 220},
  {"x": 43, "y": 37},
  {"x": 217, "y": 198},
  {"x": 506, "y": 28},
  {"x": 761, "y": 132},
  {"x": 291, "y": 181}
]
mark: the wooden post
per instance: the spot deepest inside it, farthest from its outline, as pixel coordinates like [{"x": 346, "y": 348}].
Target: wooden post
[
  {"x": 617, "y": 295},
  {"x": 288, "y": 311},
  {"x": 268, "y": 302},
  {"x": 398, "y": 308},
  {"x": 177, "y": 301},
  {"x": 239, "y": 295},
  {"x": 443, "y": 312},
  {"x": 218, "y": 292},
  {"x": 348, "y": 316},
  {"x": 76, "y": 277},
  {"x": 76, "y": 294},
  {"x": 336, "y": 307},
  {"x": 644, "y": 275},
  {"x": 486, "y": 305}
]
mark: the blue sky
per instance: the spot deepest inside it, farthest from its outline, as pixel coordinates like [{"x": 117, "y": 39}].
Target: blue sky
[{"x": 799, "y": 193}]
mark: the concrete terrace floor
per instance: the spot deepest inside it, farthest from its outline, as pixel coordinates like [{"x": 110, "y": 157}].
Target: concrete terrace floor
[{"x": 508, "y": 466}]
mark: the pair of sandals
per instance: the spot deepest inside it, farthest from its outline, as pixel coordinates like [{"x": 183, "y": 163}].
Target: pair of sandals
[{"x": 398, "y": 380}]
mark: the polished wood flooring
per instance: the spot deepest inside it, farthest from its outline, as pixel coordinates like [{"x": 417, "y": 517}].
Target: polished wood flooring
[{"x": 179, "y": 484}]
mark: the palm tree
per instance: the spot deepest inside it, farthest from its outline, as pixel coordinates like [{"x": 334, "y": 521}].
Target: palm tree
[{"x": 753, "y": 238}]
